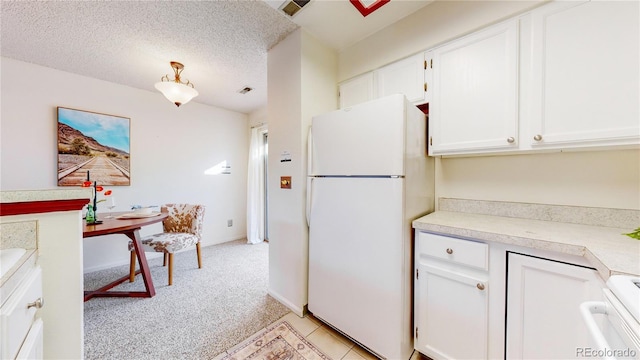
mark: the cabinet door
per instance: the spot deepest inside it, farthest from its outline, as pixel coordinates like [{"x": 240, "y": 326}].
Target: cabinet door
[
  {"x": 428, "y": 76},
  {"x": 543, "y": 300},
  {"x": 357, "y": 90},
  {"x": 585, "y": 74},
  {"x": 475, "y": 92},
  {"x": 403, "y": 77},
  {"x": 451, "y": 314},
  {"x": 16, "y": 316},
  {"x": 33, "y": 345}
]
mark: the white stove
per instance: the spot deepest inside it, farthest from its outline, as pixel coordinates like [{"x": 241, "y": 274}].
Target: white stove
[{"x": 616, "y": 333}]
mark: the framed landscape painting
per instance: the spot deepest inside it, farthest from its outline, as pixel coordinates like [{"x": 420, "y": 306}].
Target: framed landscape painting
[{"x": 93, "y": 146}]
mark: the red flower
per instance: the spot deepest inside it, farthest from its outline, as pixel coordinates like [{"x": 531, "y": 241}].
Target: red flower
[
  {"x": 86, "y": 184},
  {"x": 99, "y": 188},
  {"x": 107, "y": 193}
]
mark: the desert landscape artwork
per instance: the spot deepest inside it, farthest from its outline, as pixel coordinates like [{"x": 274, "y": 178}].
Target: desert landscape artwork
[{"x": 92, "y": 146}]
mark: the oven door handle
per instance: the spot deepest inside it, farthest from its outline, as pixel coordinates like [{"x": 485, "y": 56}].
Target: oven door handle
[{"x": 587, "y": 310}]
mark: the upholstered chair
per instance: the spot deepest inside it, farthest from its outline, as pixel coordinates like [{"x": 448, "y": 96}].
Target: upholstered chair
[{"x": 181, "y": 229}]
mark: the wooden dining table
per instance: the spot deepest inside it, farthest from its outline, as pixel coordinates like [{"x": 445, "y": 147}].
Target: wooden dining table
[{"x": 128, "y": 225}]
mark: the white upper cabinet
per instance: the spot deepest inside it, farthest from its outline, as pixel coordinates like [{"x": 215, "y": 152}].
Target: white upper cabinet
[
  {"x": 403, "y": 77},
  {"x": 584, "y": 74},
  {"x": 475, "y": 92},
  {"x": 357, "y": 90},
  {"x": 406, "y": 76},
  {"x": 428, "y": 77}
]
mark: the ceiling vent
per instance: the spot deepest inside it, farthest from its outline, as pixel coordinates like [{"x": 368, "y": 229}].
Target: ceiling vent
[{"x": 291, "y": 7}]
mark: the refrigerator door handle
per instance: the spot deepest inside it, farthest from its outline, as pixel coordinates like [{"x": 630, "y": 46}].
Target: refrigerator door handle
[
  {"x": 309, "y": 196},
  {"x": 309, "y": 168},
  {"x": 309, "y": 151}
]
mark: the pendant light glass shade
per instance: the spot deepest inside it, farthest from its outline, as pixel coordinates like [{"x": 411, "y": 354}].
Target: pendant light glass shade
[{"x": 175, "y": 90}]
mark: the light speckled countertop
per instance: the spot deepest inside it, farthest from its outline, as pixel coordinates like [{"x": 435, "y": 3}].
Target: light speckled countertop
[
  {"x": 606, "y": 248},
  {"x": 44, "y": 195}
]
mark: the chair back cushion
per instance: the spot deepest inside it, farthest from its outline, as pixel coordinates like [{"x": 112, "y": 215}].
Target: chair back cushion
[{"x": 184, "y": 218}]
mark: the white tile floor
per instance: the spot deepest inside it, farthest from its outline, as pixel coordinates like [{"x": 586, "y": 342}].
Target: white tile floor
[{"x": 329, "y": 341}]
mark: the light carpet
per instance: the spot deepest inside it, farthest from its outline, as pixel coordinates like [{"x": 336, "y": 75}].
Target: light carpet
[
  {"x": 205, "y": 312},
  {"x": 277, "y": 342}
]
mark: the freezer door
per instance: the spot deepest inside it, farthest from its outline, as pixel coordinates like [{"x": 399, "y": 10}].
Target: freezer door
[
  {"x": 359, "y": 261},
  {"x": 366, "y": 139}
]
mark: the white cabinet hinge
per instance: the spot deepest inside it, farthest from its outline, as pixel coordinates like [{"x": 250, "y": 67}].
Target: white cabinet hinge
[
  {"x": 416, "y": 332},
  {"x": 417, "y": 274}
]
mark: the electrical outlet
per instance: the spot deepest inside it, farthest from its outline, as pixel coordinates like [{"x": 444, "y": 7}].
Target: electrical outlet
[{"x": 229, "y": 223}]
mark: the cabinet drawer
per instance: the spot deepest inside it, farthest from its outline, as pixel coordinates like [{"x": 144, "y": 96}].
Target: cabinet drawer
[
  {"x": 16, "y": 316},
  {"x": 457, "y": 251}
]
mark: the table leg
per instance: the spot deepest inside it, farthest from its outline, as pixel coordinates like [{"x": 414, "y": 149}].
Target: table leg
[
  {"x": 144, "y": 270},
  {"x": 142, "y": 261}
]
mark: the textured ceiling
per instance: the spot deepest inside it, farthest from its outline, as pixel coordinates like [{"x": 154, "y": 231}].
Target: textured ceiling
[{"x": 223, "y": 44}]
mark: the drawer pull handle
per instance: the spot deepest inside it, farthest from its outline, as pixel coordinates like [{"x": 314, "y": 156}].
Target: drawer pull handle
[
  {"x": 537, "y": 137},
  {"x": 511, "y": 140},
  {"x": 449, "y": 251},
  {"x": 480, "y": 286},
  {"x": 38, "y": 304}
]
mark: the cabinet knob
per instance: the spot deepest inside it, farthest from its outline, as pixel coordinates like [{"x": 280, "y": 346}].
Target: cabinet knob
[
  {"x": 449, "y": 251},
  {"x": 537, "y": 137},
  {"x": 511, "y": 140},
  {"x": 480, "y": 286},
  {"x": 38, "y": 304}
]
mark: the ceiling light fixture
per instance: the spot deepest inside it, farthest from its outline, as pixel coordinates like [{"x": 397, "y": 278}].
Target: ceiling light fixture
[{"x": 176, "y": 91}]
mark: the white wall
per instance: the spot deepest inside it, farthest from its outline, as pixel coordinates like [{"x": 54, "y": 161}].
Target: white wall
[
  {"x": 170, "y": 150},
  {"x": 302, "y": 83},
  {"x": 591, "y": 178},
  {"x": 609, "y": 179}
]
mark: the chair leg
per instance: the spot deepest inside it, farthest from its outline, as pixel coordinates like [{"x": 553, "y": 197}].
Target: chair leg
[
  {"x": 199, "y": 255},
  {"x": 132, "y": 267},
  {"x": 164, "y": 259},
  {"x": 170, "y": 269}
]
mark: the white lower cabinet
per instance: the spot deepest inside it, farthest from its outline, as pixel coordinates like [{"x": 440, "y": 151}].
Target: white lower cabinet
[
  {"x": 486, "y": 300},
  {"x": 32, "y": 348},
  {"x": 543, "y": 299},
  {"x": 21, "y": 328},
  {"x": 451, "y": 304}
]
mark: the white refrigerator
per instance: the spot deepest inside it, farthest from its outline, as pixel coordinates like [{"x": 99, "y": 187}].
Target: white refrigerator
[{"x": 369, "y": 178}]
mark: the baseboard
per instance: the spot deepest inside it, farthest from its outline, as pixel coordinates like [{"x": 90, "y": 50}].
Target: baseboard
[
  {"x": 110, "y": 265},
  {"x": 209, "y": 243},
  {"x": 150, "y": 255},
  {"x": 300, "y": 311}
]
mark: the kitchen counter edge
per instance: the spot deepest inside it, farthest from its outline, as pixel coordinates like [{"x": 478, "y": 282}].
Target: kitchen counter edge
[{"x": 606, "y": 248}]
